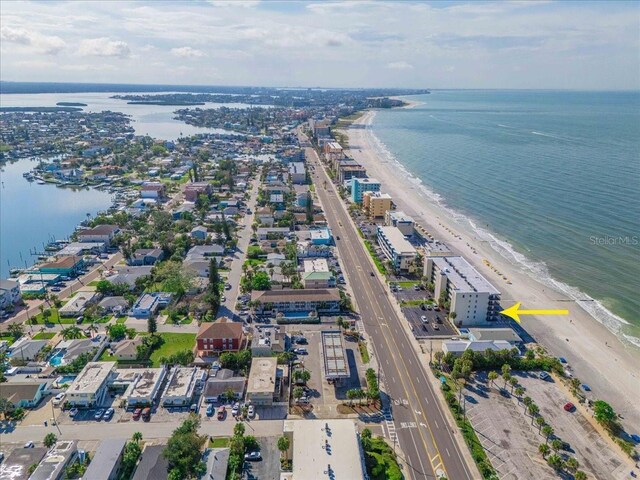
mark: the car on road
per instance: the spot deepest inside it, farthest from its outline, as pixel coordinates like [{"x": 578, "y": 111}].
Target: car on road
[
  {"x": 300, "y": 340},
  {"x": 253, "y": 456},
  {"x": 235, "y": 409},
  {"x": 108, "y": 414},
  {"x": 98, "y": 415},
  {"x": 416, "y": 288},
  {"x": 569, "y": 407},
  {"x": 55, "y": 289},
  {"x": 73, "y": 412},
  {"x": 372, "y": 274},
  {"x": 227, "y": 286},
  {"x": 222, "y": 412},
  {"x": 300, "y": 351},
  {"x": 585, "y": 387},
  {"x": 29, "y": 444},
  {"x": 635, "y": 437},
  {"x": 210, "y": 410},
  {"x": 136, "y": 413},
  {"x": 251, "y": 412},
  {"x": 562, "y": 359}
]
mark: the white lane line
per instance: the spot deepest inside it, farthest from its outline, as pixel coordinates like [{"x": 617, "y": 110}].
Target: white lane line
[{"x": 447, "y": 450}]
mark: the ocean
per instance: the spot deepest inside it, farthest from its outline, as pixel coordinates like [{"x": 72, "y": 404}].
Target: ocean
[{"x": 553, "y": 178}]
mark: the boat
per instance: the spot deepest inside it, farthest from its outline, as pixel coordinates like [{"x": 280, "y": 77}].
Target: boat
[{"x": 41, "y": 182}]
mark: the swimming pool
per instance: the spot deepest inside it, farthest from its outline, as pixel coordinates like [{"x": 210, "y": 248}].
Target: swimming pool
[
  {"x": 65, "y": 379},
  {"x": 56, "y": 360}
]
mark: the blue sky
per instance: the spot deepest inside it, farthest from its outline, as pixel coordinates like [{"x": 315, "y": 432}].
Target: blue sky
[{"x": 520, "y": 44}]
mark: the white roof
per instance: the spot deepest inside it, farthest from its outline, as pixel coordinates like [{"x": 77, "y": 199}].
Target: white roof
[
  {"x": 91, "y": 378},
  {"x": 395, "y": 238},
  {"x": 262, "y": 376},
  {"x": 463, "y": 276},
  {"x": 459, "y": 346}
]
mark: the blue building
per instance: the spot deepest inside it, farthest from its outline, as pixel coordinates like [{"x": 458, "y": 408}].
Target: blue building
[
  {"x": 321, "y": 236},
  {"x": 361, "y": 185}
]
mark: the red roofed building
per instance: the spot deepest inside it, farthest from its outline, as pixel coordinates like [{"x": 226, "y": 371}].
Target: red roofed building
[{"x": 220, "y": 336}]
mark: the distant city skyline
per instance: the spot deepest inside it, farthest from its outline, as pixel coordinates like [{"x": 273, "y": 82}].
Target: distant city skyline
[{"x": 546, "y": 45}]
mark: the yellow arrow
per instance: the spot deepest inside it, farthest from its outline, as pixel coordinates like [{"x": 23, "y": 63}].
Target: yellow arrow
[{"x": 515, "y": 313}]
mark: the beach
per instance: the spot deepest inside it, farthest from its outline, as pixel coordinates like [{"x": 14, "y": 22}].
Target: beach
[{"x": 596, "y": 355}]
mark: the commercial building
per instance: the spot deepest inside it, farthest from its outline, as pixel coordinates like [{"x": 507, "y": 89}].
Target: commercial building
[
  {"x": 376, "y": 204},
  {"x": 181, "y": 385},
  {"x": 324, "y": 449},
  {"x": 458, "y": 347},
  {"x": 220, "y": 336},
  {"x": 320, "y": 236},
  {"x": 334, "y": 359},
  {"x": 472, "y": 299},
  {"x": 101, "y": 233},
  {"x": 304, "y": 300},
  {"x": 55, "y": 461},
  {"x": 141, "y": 385},
  {"x": 361, "y": 185},
  {"x": 297, "y": 173},
  {"x": 437, "y": 248},
  {"x": 149, "y": 303},
  {"x": 347, "y": 169},
  {"x": 333, "y": 151},
  {"x": 263, "y": 384},
  {"x": 89, "y": 389},
  {"x": 223, "y": 381},
  {"x": 78, "y": 303},
  {"x": 396, "y": 248},
  {"x": 152, "y": 190},
  {"x": 312, "y": 280},
  {"x": 400, "y": 220},
  {"x": 316, "y": 265},
  {"x": 105, "y": 463},
  {"x": 68, "y": 266},
  {"x": 271, "y": 341},
  {"x": 82, "y": 248}
]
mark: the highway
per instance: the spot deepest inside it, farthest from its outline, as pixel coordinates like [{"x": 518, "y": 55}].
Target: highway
[{"x": 423, "y": 432}]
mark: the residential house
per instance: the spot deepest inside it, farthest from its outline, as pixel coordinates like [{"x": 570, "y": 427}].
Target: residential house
[
  {"x": 9, "y": 293},
  {"x": 199, "y": 233},
  {"x": 153, "y": 464},
  {"x": 193, "y": 190},
  {"x": 149, "y": 303},
  {"x": 146, "y": 256},
  {"x": 127, "y": 349},
  {"x": 223, "y": 335},
  {"x": 105, "y": 463},
  {"x": 100, "y": 233},
  {"x": 24, "y": 394}
]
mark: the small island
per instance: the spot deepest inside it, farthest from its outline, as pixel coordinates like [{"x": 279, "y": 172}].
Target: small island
[
  {"x": 40, "y": 109},
  {"x": 166, "y": 103},
  {"x": 71, "y": 104}
]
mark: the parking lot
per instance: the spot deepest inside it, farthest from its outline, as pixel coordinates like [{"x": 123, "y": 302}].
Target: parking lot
[
  {"x": 511, "y": 440},
  {"x": 432, "y": 327},
  {"x": 269, "y": 467}
]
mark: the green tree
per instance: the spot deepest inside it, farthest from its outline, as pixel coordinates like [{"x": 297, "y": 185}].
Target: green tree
[
  {"x": 506, "y": 369},
  {"x": 152, "y": 325},
  {"x": 604, "y": 414},
  {"x": 519, "y": 392},
  {"x": 137, "y": 437},
  {"x": 283, "y": 445},
  {"x": 492, "y": 376},
  {"x": 49, "y": 440},
  {"x": 71, "y": 333},
  {"x": 15, "y": 330},
  {"x": 544, "y": 449},
  {"x": 555, "y": 462},
  {"x": 261, "y": 281},
  {"x": 580, "y": 475},
  {"x": 183, "y": 448},
  {"x": 298, "y": 392},
  {"x": 117, "y": 331},
  {"x": 547, "y": 431},
  {"x": 556, "y": 444},
  {"x": 539, "y": 422},
  {"x": 513, "y": 381},
  {"x": 572, "y": 464}
]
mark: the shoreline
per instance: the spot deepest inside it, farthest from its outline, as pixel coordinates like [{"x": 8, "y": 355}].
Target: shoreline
[{"x": 586, "y": 343}]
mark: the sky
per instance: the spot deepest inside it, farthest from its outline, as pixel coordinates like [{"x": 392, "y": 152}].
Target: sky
[{"x": 407, "y": 44}]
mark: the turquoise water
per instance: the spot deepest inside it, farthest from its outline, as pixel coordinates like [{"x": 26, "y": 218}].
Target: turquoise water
[
  {"x": 556, "y": 175},
  {"x": 57, "y": 358},
  {"x": 30, "y": 214}
]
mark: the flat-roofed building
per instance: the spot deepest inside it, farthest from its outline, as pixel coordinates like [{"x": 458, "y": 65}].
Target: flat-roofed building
[
  {"x": 472, "y": 297},
  {"x": 437, "y": 249},
  {"x": 333, "y": 151},
  {"x": 53, "y": 465},
  {"x": 82, "y": 248},
  {"x": 262, "y": 385},
  {"x": 458, "y": 347},
  {"x": 400, "y": 220},
  {"x": 68, "y": 266},
  {"x": 90, "y": 386},
  {"x": 348, "y": 169},
  {"x": 181, "y": 385},
  {"x": 141, "y": 385},
  {"x": 16, "y": 465},
  {"x": 105, "y": 463},
  {"x": 316, "y": 265},
  {"x": 149, "y": 303},
  {"x": 324, "y": 449},
  {"x": 297, "y": 173},
  {"x": 334, "y": 359},
  {"x": 492, "y": 334},
  {"x": 376, "y": 204},
  {"x": 297, "y": 300},
  {"x": 318, "y": 280},
  {"x": 396, "y": 248},
  {"x": 361, "y": 185}
]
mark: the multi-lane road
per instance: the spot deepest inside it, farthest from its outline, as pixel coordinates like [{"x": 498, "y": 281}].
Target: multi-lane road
[{"x": 421, "y": 428}]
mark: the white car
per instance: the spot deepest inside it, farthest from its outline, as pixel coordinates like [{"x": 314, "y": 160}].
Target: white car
[
  {"x": 29, "y": 444},
  {"x": 57, "y": 400},
  {"x": 424, "y": 319},
  {"x": 251, "y": 411},
  {"x": 235, "y": 409}
]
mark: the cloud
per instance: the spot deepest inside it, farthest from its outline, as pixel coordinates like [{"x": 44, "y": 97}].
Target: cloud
[
  {"x": 187, "y": 52},
  {"x": 400, "y": 66},
  {"x": 103, "y": 47},
  {"x": 235, "y": 3},
  {"x": 49, "y": 45}
]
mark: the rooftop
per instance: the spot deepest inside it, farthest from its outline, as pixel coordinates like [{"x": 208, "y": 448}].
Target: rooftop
[
  {"x": 16, "y": 465},
  {"x": 153, "y": 464},
  {"x": 221, "y": 328},
  {"x": 297, "y": 295},
  {"x": 333, "y": 355},
  {"x": 463, "y": 276},
  {"x": 91, "y": 378},
  {"x": 367, "y": 180},
  {"x": 396, "y": 239},
  {"x": 399, "y": 216},
  {"x": 100, "y": 230},
  {"x": 105, "y": 458},
  {"x": 181, "y": 381},
  {"x": 506, "y": 334},
  {"x": 262, "y": 376}
]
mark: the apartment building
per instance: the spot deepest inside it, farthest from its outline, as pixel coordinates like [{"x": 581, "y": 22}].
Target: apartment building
[
  {"x": 396, "y": 248},
  {"x": 376, "y": 204},
  {"x": 361, "y": 185},
  {"x": 400, "y": 220}
]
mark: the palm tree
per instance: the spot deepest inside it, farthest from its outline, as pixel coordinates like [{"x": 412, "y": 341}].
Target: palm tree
[
  {"x": 492, "y": 376},
  {"x": 283, "y": 445},
  {"x": 438, "y": 356},
  {"x": 506, "y": 368},
  {"x": 136, "y": 437},
  {"x": 533, "y": 411},
  {"x": 93, "y": 328},
  {"x": 571, "y": 464},
  {"x": 16, "y": 330},
  {"x": 460, "y": 383},
  {"x": 506, "y": 377},
  {"x": 556, "y": 444},
  {"x": 527, "y": 401},
  {"x": 352, "y": 394},
  {"x": 580, "y": 475},
  {"x": 555, "y": 462},
  {"x": 71, "y": 333},
  {"x": 513, "y": 381},
  {"x": 544, "y": 449},
  {"x": 547, "y": 431},
  {"x": 540, "y": 422},
  {"x": 519, "y": 393}
]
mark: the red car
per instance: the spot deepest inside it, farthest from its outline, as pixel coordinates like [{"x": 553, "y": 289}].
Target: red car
[
  {"x": 136, "y": 413},
  {"x": 569, "y": 407}
]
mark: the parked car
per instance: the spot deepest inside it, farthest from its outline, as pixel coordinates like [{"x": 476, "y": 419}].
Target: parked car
[
  {"x": 424, "y": 319},
  {"x": 543, "y": 375},
  {"x": 301, "y": 341},
  {"x": 416, "y": 288},
  {"x": 235, "y": 409},
  {"x": 435, "y": 326},
  {"x": 569, "y": 407},
  {"x": 585, "y": 387},
  {"x": 253, "y": 456},
  {"x": 227, "y": 286},
  {"x": 146, "y": 414},
  {"x": 251, "y": 412},
  {"x": 562, "y": 359},
  {"x": 136, "y": 413},
  {"x": 303, "y": 399},
  {"x": 29, "y": 444},
  {"x": 108, "y": 414},
  {"x": 222, "y": 412},
  {"x": 300, "y": 351},
  {"x": 98, "y": 415},
  {"x": 372, "y": 274},
  {"x": 57, "y": 400},
  {"x": 210, "y": 410}
]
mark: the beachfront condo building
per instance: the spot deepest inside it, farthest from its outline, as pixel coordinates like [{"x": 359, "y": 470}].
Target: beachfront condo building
[
  {"x": 376, "y": 204},
  {"x": 400, "y": 220},
  {"x": 396, "y": 248},
  {"x": 473, "y": 300},
  {"x": 361, "y": 185}
]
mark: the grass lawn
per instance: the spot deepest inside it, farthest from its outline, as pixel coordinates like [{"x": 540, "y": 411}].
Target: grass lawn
[
  {"x": 408, "y": 284},
  {"x": 6, "y": 337},
  {"x": 219, "y": 442},
  {"x": 54, "y": 318},
  {"x": 107, "y": 357},
  {"x": 93, "y": 284},
  {"x": 121, "y": 319},
  {"x": 44, "y": 335},
  {"x": 173, "y": 343},
  {"x": 364, "y": 353}
]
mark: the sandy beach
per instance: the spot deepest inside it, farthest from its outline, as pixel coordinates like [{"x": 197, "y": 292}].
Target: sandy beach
[{"x": 597, "y": 356}]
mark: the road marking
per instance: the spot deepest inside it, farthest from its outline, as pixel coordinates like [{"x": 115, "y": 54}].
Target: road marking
[{"x": 447, "y": 450}]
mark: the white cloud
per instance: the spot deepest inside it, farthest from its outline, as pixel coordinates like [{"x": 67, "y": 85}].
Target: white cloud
[
  {"x": 103, "y": 47},
  {"x": 187, "y": 52},
  {"x": 400, "y": 66},
  {"x": 49, "y": 45}
]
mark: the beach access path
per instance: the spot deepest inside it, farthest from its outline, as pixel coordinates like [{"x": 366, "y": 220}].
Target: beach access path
[{"x": 596, "y": 356}]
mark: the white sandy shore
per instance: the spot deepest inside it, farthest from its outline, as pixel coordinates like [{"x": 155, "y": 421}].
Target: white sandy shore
[{"x": 596, "y": 355}]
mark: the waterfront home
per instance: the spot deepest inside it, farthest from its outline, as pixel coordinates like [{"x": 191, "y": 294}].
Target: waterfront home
[
  {"x": 152, "y": 190},
  {"x": 145, "y": 256},
  {"x": 223, "y": 335},
  {"x": 100, "y": 233},
  {"x": 149, "y": 303},
  {"x": 82, "y": 248},
  {"x": 9, "y": 293},
  {"x": 72, "y": 175},
  {"x": 376, "y": 204},
  {"x": 66, "y": 266},
  {"x": 25, "y": 394}
]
